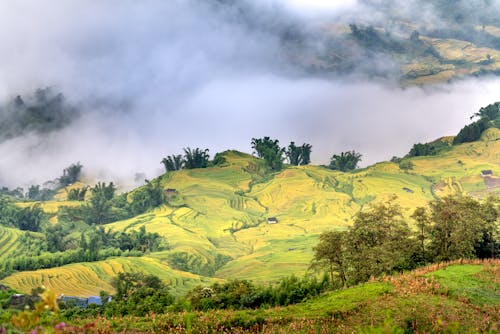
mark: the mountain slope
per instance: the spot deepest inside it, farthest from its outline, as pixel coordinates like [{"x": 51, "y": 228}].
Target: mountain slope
[{"x": 216, "y": 219}]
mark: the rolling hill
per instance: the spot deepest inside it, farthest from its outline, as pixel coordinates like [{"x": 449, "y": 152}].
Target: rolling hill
[{"x": 216, "y": 219}]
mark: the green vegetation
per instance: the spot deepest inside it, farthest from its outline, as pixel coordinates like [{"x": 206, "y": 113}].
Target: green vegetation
[
  {"x": 439, "y": 298},
  {"x": 488, "y": 117},
  {"x": 345, "y": 161},
  {"x": 269, "y": 150}
]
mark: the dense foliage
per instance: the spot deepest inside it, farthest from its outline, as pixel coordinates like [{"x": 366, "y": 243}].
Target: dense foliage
[
  {"x": 345, "y": 161},
  {"x": 192, "y": 158},
  {"x": 380, "y": 242},
  {"x": 489, "y": 116}
]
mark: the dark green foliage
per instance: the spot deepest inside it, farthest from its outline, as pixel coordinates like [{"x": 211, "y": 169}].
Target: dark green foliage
[
  {"x": 71, "y": 174},
  {"x": 147, "y": 197},
  {"x": 269, "y": 150},
  {"x": 99, "y": 210},
  {"x": 428, "y": 149},
  {"x": 77, "y": 194},
  {"x": 378, "y": 242},
  {"x": 298, "y": 155},
  {"x": 490, "y": 113},
  {"x": 28, "y": 219},
  {"x": 54, "y": 236},
  {"x": 406, "y": 164},
  {"x": 18, "y": 192},
  {"x": 471, "y": 132},
  {"x": 173, "y": 163},
  {"x": 489, "y": 116},
  {"x": 8, "y": 212},
  {"x": 330, "y": 253},
  {"x": 345, "y": 161},
  {"x": 219, "y": 159},
  {"x": 52, "y": 260},
  {"x": 240, "y": 294},
  {"x": 462, "y": 227},
  {"x": 36, "y": 193},
  {"x": 94, "y": 245},
  {"x": 43, "y": 112},
  {"x": 138, "y": 294},
  {"x": 196, "y": 158}
]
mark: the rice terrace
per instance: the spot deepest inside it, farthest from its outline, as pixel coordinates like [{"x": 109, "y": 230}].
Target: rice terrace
[{"x": 267, "y": 166}]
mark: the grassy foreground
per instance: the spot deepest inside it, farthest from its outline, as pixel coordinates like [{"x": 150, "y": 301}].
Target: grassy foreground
[{"x": 451, "y": 298}]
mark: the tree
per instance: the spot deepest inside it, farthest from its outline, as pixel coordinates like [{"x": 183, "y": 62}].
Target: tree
[
  {"x": 77, "y": 194},
  {"x": 305, "y": 154},
  {"x": 423, "y": 222},
  {"x": 459, "y": 225},
  {"x": 148, "y": 197},
  {"x": 269, "y": 150},
  {"x": 71, "y": 174},
  {"x": 31, "y": 218},
  {"x": 345, "y": 161},
  {"x": 298, "y": 155},
  {"x": 379, "y": 242},
  {"x": 100, "y": 203},
  {"x": 173, "y": 163},
  {"x": 293, "y": 154},
  {"x": 196, "y": 158},
  {"x": 330, "y": 253}
]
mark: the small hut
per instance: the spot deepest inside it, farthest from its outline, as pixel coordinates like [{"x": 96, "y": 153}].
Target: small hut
[
  {"x": 272, "y": 220},
  {"x": 486, "y": 173}
]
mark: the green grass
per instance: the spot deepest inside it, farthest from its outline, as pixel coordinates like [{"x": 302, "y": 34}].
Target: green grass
[
  {"x": 470, "y": 281},
  {"x": 410, "y": 306}
]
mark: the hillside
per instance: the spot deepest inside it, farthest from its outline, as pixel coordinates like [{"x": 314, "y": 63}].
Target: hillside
[
  {"x": 216, "y": 219},
  {"x": 444, "y": 298}
]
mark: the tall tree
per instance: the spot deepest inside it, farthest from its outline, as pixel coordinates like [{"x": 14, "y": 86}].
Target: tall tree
[
  {"x": 71, "y": 174},
  {"x": 100, "y": 207},
  {"x": 345, "y": 161},
  {"x": 459, "y": 225},
  {"x": 305, "y": 154},
  {"x": 269, "y": 150},
  {"x": 298, "y": 155},
  {"x": 423, "y": 222},
  {"x": 379, "y": 241},
  {"x": 330, "y": 253},
  {"x": 197, "y": 158},
  {"x": 173, "y": 162}
]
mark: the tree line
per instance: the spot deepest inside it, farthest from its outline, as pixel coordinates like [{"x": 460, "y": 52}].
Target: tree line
[
  {"x": 274, "y": 155},
  {"x": 59, "y": 248},
  {"x": 487, "y": 117},
  {"x": 381, "y": 242}
]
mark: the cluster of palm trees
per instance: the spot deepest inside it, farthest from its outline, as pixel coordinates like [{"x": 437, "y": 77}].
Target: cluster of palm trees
[{"x": 197, "y": 158}]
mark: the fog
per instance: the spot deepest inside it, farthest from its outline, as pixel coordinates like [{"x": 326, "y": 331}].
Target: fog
[{"x": 152, "y": 77}]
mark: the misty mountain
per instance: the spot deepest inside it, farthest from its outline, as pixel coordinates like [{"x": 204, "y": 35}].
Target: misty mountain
[
  {"x": 40, "y": 113},
  {"x": 146, "y": 79}
]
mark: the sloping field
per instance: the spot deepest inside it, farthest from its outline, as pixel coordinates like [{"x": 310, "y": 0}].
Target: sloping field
[
  {"x": 221, "y": 213},
  {"x": 87, "y": 279},
  {"x": 8, "y": 238}
]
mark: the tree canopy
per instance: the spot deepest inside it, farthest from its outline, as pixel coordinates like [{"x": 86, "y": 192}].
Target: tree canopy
[{"x": 345, "y": 161}]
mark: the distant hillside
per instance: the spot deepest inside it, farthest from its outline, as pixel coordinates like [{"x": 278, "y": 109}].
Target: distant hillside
[{"x": 216, "y": 219}]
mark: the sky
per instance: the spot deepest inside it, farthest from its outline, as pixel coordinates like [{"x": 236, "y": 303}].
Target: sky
[{"x": 152, "y": 77}]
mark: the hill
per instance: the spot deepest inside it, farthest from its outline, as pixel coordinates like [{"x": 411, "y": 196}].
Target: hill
[
  {"x": 445, "y": 298},
  {"x": 216, "y": 219}
]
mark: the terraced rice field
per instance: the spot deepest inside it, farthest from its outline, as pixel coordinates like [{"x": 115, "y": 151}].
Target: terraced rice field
[
  {"x": 88, "y": 279},
  {"x": 223, "y": 211},
  {"x": 8, "y": 241}
]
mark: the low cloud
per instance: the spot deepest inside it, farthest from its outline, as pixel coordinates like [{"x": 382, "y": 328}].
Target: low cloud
[{"x": 149, "y": 78}]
